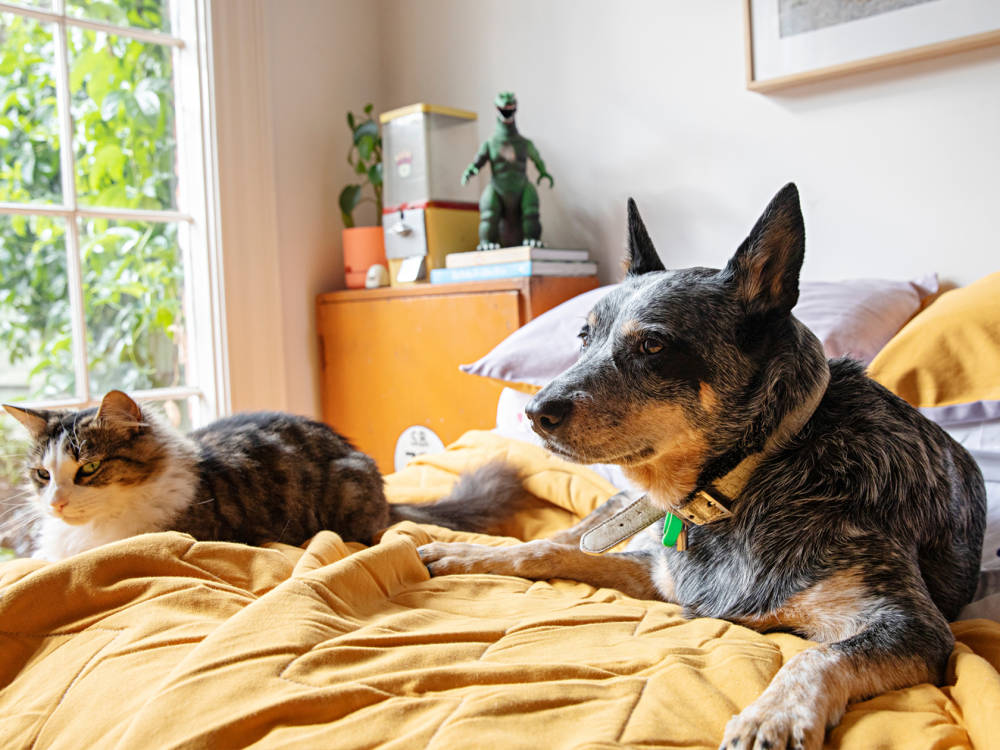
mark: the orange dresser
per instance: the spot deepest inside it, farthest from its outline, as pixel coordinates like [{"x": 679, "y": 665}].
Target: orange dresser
[{"x": 390, "y": 357}]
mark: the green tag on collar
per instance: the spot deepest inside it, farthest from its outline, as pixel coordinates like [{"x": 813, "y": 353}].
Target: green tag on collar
[{"x": 672, "y": 528}]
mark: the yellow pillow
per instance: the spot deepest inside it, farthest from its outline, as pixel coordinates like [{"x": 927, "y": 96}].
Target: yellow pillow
[{"x": 950, "y": 353}]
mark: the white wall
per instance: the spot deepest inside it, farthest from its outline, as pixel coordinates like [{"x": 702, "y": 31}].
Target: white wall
[
  {"x": 899, "y": 170},
  {"x": 323, "y": 61},
  {"x": 286, "y": 73},
  {"x": 247, "y": 211}
]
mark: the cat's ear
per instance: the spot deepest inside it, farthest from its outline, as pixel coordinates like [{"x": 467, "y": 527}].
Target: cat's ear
[
  {"x": 35, "y": 421},
  {"x": 118, "y": 410}
]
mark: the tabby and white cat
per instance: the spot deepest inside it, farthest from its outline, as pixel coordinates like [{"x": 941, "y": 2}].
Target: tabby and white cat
[{"x": 107, "y": 473}]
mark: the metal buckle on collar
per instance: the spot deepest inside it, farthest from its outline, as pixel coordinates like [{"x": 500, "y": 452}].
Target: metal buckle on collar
[{"x": 702, "y": 508}]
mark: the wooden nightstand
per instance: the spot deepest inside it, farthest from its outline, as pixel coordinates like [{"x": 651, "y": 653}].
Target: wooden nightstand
[{"x": 390, "y": 356}]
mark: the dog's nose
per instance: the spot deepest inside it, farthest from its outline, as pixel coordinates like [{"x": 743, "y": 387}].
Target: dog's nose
[{"x": 547, "y": 414}]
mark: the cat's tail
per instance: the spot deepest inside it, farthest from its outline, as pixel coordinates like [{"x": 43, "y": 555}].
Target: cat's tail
[{"x": 480, "y": 501}]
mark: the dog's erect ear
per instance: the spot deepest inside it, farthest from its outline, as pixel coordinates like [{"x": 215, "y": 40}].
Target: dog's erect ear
[
  {"x": 34, "y": 421},
  {"x": 641, "y": 256},
  {"x": 117, "y": 410},
  {"x": 766, "y": 266}
]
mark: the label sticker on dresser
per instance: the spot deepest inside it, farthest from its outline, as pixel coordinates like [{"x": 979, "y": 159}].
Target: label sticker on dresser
[{"x": 415, "y": 441}]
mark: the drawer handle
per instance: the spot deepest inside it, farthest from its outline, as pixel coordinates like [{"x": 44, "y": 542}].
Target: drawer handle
[{"x": 403, "y": 230}]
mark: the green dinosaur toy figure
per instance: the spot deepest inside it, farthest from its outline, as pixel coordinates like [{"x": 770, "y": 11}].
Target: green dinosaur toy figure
[{"x": 508, "y": 208}]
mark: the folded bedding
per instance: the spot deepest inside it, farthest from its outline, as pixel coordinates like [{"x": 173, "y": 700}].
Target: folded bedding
[{"x": 160, "y": 641}]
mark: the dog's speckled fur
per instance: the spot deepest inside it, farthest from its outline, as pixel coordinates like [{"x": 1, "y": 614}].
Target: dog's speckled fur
[{"x": 863, "y": 530}]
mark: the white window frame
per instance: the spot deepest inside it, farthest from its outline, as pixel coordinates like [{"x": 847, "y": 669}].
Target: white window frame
[{"x": 197, "y": 216}]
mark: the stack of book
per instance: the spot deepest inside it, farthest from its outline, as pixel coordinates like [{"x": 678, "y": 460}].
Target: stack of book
[{"x": 507, "y": 262}]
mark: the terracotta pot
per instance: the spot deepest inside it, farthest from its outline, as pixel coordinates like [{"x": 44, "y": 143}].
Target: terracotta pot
[{"x": 363, "y": 248}]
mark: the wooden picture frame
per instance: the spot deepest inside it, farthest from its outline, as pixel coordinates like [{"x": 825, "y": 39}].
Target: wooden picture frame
[{"x": 793, "y": 42}]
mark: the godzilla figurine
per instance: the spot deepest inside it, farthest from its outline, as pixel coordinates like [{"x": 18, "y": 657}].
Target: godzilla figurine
[{"x": 508, "y": 208}]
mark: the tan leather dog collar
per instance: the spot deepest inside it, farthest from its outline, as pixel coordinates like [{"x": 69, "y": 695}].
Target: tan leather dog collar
[{"x": 627, "y": 522}]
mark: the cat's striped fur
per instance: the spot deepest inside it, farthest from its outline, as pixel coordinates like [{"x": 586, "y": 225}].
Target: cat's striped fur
[{"x": 104, "y": 474}]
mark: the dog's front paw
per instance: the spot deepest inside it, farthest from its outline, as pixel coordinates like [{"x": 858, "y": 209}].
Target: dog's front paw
[
  {"x": 763, "y": 727},
  {"x": 449, "y": 558}
]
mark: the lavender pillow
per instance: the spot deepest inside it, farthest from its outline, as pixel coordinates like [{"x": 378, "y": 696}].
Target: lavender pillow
[
  {"x": 856, "y": 318},
  {"x": 541, "y": 349},
  {"x": 852, "y": 318}
]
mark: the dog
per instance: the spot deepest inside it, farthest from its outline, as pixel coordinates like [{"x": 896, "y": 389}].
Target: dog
[{"x": 813, "y": 499}]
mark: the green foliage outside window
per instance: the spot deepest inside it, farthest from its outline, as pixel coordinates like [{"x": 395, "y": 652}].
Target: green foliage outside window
[
  {"x": 142, "y": 14},
  {"x": 124, "y": 147}
]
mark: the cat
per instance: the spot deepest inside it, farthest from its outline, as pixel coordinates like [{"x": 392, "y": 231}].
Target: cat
[{"x": 103, "y": 474}]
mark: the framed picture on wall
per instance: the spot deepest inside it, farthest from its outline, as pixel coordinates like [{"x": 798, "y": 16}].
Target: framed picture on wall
[{"x": 790, "y": 42}]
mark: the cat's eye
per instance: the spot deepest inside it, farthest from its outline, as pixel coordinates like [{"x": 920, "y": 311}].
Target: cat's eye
[
  {"x": 650, "y": 346},
  {"x": 584, "y": 336},
  {"x": 89, "y": 468},
  {"x": 42, "y": 475}
]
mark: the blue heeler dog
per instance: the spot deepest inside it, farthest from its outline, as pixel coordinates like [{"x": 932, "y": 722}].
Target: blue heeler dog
[{"x": 813, "y": 499}]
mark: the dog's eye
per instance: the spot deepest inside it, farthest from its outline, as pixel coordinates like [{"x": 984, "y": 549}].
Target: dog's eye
[
  {"x": 650, "y": 346},
  {"x": 584, "y": 336},
  {"x": 42, "y": 475}
]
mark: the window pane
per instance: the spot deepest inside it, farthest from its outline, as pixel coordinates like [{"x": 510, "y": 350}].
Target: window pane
[
  {"x": 41, "y": 4},
  {"x": 36, "y": 352},
  {"x": 180, "y": 413},
  {"x": 143, "y": 14},
  {"x": 123, "y": 112},
  {"x": 29, "y": 123},
  {"x": 132, "y": 291}
]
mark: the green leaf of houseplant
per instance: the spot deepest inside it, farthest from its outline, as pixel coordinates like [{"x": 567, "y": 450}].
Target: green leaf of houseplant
[
  {"x": 366, "y": 144},
  {"x": 365, "y": 156},
  {"x": 368, "y": 128},
  {"x": 375, "y": 174},
  {"x": 349, "y": 198}
]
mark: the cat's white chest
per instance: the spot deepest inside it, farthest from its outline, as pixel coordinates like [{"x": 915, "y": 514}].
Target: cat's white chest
[{"x": 58, "y": 540}]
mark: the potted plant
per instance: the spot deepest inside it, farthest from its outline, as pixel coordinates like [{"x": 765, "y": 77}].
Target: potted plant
[{"x": 363, "y": 246}]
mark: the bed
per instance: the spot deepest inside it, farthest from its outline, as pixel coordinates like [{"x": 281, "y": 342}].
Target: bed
[{"x": 161, "y": 641}]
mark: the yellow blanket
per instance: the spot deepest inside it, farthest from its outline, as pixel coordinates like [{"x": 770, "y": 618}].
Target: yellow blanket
[{"x": 162, "y": 642}]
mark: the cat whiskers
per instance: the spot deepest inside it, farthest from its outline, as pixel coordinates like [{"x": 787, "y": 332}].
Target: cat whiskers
[
  {"x": 14, "y": 525},
  {"x": 18, "y": 500},
  {"x": 25, "y": 490},
  {"x": 17, "y": 503}
]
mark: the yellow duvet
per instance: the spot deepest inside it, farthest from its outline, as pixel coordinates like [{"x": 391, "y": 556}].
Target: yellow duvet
[{"x": 163, "y": 642}]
